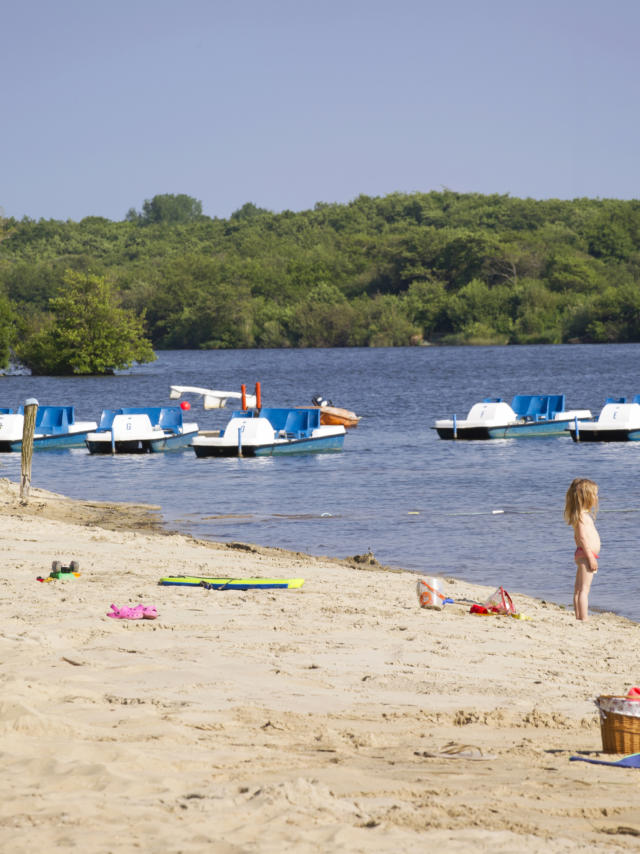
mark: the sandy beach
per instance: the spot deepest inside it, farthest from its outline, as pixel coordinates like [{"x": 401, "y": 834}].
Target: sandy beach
[{"x": 289, "y": 720}]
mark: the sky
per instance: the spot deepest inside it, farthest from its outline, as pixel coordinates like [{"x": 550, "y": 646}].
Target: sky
[{"x": 287, "y": 103}]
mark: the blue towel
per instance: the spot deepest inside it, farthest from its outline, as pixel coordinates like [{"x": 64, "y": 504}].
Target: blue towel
[{"x": 631, "y": 761}]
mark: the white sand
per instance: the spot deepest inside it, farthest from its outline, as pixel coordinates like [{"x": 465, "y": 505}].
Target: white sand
[{"x": 288, "y": 720}]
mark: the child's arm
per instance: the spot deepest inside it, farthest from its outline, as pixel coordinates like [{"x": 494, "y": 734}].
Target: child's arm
[{"x": 582, "y": 540}]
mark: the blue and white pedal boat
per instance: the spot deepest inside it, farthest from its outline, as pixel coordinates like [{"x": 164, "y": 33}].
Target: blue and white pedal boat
[
  {"x": 270, "y": 432},
  {"x": 618, "y": 421},
  {"x": 55, "y": 427},
  {"x": 141, "y": 430},
  {"x": 528, "y": 415}
]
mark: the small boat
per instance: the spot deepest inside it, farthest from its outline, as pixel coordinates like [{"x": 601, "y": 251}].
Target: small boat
[
  {"x": 528, "y": 415},
  {"x": 270, "y": 432},
  {"x": 212, "y": 399},
  {"x": 140, "y": 430},
  {"x": 55, "y": 427},
  {"x": 330, "y": 414},
  {"x": 618, "y": 421}
]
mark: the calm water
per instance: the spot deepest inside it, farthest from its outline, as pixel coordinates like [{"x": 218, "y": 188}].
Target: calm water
[{"x": 414, "y": 500}]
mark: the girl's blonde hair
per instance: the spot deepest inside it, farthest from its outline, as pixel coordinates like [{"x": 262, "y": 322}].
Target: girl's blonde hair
[{"x": 582, "y": 495}]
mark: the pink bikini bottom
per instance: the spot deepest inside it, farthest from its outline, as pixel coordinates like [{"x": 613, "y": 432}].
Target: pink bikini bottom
[{"x": 579, "y": 552}]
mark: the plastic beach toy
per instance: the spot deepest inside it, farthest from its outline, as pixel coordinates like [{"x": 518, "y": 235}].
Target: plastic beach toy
[
  {"x": 429, "y": 595},
  {"x": 428, "y": 592},
  {"x": 138, "y": 612}
]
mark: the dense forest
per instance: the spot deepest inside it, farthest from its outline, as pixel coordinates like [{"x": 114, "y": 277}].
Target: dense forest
[{"x": 438, "y": 267}]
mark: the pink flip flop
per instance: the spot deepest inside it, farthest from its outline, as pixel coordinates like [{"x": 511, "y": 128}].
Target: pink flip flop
[{"x": 126, "y": 613}]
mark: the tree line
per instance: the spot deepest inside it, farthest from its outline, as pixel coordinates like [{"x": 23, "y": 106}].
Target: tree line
[{"x": 438, "y": 267}]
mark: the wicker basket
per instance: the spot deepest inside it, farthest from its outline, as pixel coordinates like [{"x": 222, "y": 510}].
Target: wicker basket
[{"x": 620, "y": 732}]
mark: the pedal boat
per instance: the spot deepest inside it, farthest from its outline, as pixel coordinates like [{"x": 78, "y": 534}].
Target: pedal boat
[
  {"x": 618, "y": 421},
  {"x": 55, "y": 427},
  {"x": 141, "y": 430},
  {"x": 270, "y": 432},
  {"x": 529, "y": 415}
]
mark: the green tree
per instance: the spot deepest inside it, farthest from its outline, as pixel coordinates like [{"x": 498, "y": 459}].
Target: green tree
[
  {"x": 568, "y": 270},
  {"x": 479, "y": 312},
  {"x": 7, "y": 330},
  {"x": 455, "y": 267},
  {"x": 88, "y": 332},
  {"x": 248, "y": 211},
  {"x": 425, "y": 304},
  {"x": 536, "y": 320},
  {"x": 382, "y": 322},
  {"x": 168, "y": 208},
  {"x": 323, "y": 319},
  {"x": 464, "y": 256}
]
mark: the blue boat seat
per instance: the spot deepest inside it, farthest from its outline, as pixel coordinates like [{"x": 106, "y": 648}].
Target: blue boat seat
[
  {"x": 537, "y": 407},
  {"x": 106, "y": 419},
  {"x": 292, "y": 423},
  {"x": 619, "y": 400},
  {"x": 300, "y": 422},
  {"x": 171, "y": 418},
  {"x": 54, "y": 419},
  {"x": 556, "y": 404},
  {"x": 295, "y": 423}
]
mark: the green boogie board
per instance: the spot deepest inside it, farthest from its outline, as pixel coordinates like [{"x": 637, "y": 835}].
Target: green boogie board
[{"x": 231, "y": 583}]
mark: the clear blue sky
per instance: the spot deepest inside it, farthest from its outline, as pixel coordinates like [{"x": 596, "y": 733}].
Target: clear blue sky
[{"x": 285, "y": 103}]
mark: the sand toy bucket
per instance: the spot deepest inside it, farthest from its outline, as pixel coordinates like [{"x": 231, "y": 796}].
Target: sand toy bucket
[{"x": 429, "y": 595}]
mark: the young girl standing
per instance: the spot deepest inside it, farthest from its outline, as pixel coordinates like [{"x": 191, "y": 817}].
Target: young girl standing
[{"x": 581, "y": 505}]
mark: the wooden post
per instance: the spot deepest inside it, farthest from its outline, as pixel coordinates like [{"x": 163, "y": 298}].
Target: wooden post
[{"x": 28, "y": 429}]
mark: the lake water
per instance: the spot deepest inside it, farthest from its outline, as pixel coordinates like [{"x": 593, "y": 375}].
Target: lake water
[{"x": 397, "y": 490}]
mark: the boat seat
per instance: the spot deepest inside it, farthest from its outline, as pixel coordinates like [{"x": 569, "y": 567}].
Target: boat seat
[
  {"x": 289, "y": 423},
  {"x": 530, "y": 407},
  {"x": 51, "y": 417},
  {"x": 106, "y": 418},
  {"x": 556, "y": 404},
  {"x": 171, "y": 419},
  {"x": 537, "y": 407},
  {"x": 297, "y": 424}
]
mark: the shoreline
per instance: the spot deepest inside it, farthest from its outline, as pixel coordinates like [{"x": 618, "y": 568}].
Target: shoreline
[
  {"x": 303, "y": 720},
  {"x": 131, "y": 516}
]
